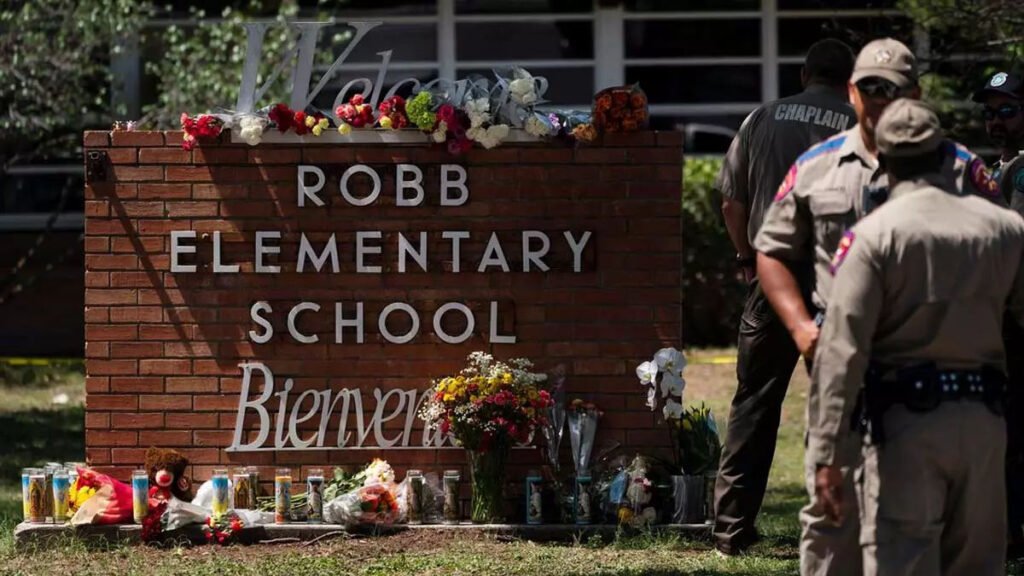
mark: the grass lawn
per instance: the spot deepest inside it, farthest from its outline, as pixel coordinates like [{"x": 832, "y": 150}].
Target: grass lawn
[{"x": 21, "y": 422}]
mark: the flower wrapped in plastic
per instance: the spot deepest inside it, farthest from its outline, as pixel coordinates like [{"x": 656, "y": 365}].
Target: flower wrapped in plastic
[
  {"x": 202, "y": 127},
  {"x": 100, "y": 499},
  {"x": 620, "y": 109},
  {"x": 516, "y": 93},
  {"x": 378, "y": 501}
]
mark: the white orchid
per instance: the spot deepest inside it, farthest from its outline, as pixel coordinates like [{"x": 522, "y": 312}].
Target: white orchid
[
  {"x": 652, "y": 398},
  {"x": 670, "y": 360},
  {"x": 672, "y": 385},
  {"x": 647, "y": 373},
  {"x": 672, "y": 410}
]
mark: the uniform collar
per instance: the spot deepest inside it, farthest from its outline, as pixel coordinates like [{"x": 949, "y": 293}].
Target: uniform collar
[
  {"x": 853, "y": 148},
  {"x": 931, "y": 180}
]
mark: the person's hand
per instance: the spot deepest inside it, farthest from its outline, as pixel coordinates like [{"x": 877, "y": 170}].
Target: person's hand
[
  {"x": 806, "y": 338},
  {"x": 828, "y": 489}
]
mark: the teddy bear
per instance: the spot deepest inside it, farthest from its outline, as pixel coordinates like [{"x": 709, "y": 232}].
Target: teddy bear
[{"x": 167, "y": 475}]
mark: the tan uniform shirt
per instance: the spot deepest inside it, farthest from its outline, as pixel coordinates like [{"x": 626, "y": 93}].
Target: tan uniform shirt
[
  {"x": 832, "y": 186},
  {"x": 926, "y": 277}
]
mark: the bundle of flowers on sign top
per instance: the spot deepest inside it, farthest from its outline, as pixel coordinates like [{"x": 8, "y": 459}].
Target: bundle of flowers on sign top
[
  {"x": 475, "y": 111},
  {"x": 489, "y": 406}
]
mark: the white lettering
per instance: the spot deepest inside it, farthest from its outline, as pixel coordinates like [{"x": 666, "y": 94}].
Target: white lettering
[
  {"x": 577, "y": 248},
  {"x": 340, "y": 323},
  {"x": 382, "y": 323},
  {"x": 535, "y": 256},
  {"x": 268, "y": 328},
  {"x": 493, "y": 255},
  {"x": 362, "y": 250},
  {"x": 177, "y": 249},
  {"x": 455, "y": 237},
  {"x": 244, "y": 404},
  {"x": 447, "y": 183},
  {"x": 401, "y": 185},
  {"x": 405, "y": 249},
  {"x": 360, "y": 169},
  {"x": 262, "y": 250},
  {"x": 219, "y": 268},
  {"x": 495, "y": 338},
  {"x": 306, "y": 253},
  {"x": 439, "y": 329},
  {"x": 306, "y": 191},
  {"x": 293, "y": 315}
]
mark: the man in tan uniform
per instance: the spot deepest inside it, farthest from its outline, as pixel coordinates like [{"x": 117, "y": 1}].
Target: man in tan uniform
[
  {"x": 827, "y": 190},
  {"x": 915, "y": 315}
]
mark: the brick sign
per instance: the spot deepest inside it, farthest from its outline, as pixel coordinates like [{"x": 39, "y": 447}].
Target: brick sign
[{"x": 288, "y": 304}]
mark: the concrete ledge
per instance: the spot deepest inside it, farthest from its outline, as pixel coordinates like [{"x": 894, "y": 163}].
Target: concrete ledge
[{"x": 33, "y": 536}]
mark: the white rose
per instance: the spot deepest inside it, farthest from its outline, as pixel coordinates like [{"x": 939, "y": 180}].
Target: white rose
[
  {"x": 536, "y": 127},
  {"x": 251, "y": 129}
]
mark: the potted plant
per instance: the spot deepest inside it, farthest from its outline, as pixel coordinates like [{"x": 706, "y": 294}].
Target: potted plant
[{"x": 695, "y": 442}]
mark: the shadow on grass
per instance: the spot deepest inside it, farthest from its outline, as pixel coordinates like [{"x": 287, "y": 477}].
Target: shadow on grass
[{"x": 34, "y": 437}]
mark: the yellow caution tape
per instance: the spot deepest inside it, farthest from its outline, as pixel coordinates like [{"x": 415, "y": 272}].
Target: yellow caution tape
[{"x": 14, "y": 361}]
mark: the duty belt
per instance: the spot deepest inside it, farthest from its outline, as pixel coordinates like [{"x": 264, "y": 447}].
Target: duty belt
[{"x": 921, "y": 388}]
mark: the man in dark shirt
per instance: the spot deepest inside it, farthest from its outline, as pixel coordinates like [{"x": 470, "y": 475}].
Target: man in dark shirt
[{"x": 768, "y": 143}]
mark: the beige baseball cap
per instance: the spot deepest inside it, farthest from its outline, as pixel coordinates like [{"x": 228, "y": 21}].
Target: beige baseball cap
[
  {"x": 888, "y": 59},
  {"x": 908, "y": 128}
]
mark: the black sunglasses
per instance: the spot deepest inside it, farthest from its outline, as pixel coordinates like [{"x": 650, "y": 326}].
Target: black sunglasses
[
  {"x": 1004, "y": 112},
  {"x": 880, "y": 88}
]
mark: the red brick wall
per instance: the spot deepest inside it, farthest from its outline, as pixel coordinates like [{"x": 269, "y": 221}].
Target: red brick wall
[{"x": 163, "y": 349}]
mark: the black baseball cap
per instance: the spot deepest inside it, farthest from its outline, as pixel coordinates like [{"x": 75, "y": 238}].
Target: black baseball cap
[{"x": 1006, "y": 83}]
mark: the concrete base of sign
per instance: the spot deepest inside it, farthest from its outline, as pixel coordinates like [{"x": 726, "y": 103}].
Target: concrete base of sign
[{"x": 31, "y": 536}]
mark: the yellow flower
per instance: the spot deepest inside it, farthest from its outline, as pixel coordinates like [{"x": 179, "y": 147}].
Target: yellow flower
[
  {"x": 324, "y": 124},
  {"x": 687, "y": 425},
  {"x": 317, "y": 130},
  {"x": 344, "y": 129},
  {"x": 310, "y": 121},
  {"x": 625, "y": 515},
  {"x": 385, "y": 122},
  {"x": 448, "y": 398},
  {"x": 506, "y": 378}
]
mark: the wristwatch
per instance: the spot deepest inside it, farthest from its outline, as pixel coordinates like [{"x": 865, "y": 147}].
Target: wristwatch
[{"x": 745, "y": 261}]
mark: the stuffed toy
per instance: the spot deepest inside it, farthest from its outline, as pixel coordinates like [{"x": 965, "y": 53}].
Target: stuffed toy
[{"x": 167, "y": 475}]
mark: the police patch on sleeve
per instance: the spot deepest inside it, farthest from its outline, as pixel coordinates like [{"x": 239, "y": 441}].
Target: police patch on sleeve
[
  {"x": 787, "y": 184},
  {"x": 844, "y": 248},
  {"x": 981, "y": 179}
]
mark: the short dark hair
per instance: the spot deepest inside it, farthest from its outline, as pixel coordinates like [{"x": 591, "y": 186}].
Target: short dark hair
[
  {"x": 902, "y": 168},
  {"x": 829, "y": 61}
]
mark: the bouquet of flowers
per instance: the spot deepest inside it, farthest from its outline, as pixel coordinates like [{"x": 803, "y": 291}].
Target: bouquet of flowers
[
  {"x": 554, "y": 423},
  {"x": 99, "y": 499},
  {"x": 486, "y": 408},
  {"x": 490, "y": 403},
  {"x": 620, "y": 109},
  {"x": 204, "y": 126},
  {"x": 356, "y": 114},
  {"x": 221, "y": 530},
  {"x": 378, "y": 501},
  {"x": 392, "y": 113}
]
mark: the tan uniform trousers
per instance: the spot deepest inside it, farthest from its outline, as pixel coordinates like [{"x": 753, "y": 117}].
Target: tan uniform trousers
[
  {"x": 933, "y": 496},
  {"x": 828, "y": 548}
]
